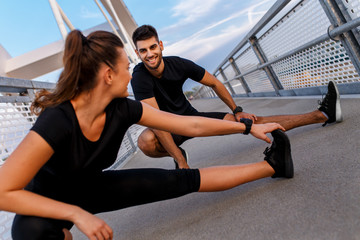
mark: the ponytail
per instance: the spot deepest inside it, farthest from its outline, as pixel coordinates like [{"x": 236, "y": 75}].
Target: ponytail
[{"x": 81, "y": 60}]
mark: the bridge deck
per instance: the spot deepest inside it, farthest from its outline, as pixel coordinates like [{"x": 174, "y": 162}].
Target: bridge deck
[{"x": 322, "y": 201}]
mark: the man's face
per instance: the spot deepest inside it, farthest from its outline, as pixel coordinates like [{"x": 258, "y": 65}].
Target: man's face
[{"x": 150, "y": 52}]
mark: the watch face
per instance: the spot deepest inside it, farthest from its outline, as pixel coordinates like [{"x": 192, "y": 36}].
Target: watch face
[{"x": 248, "y": 121}]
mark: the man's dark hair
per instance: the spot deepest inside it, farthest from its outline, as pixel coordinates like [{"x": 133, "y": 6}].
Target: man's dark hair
[{"x": 144, "y": 32}]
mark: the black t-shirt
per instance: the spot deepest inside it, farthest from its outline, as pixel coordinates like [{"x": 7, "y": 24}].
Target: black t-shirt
[
  {"x": 74, "y": 155},
  {"x": 167, "y": 90}
]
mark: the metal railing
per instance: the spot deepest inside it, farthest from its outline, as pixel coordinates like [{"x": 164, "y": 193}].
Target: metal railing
[{"x": 314, "y": 42}]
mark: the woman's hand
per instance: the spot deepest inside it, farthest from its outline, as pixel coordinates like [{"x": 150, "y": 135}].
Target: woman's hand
[
  {"x": 93, "y": 227},
  {"x": 260, "y": 130}
]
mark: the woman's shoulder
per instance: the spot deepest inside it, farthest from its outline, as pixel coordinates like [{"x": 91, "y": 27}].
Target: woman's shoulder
[{"x": 62, "y": 114}]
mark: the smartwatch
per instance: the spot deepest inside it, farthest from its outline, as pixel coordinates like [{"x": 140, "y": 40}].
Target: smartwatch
[
  {"x": 248, "y": 123},
  {"x": 237, "y": 110}
]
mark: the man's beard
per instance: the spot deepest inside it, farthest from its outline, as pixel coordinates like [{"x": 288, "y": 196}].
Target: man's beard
[{"x": 159, "y": 57}]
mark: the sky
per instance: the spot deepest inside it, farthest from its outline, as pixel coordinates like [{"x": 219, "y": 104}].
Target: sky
[{"x": 202, "y": 31}]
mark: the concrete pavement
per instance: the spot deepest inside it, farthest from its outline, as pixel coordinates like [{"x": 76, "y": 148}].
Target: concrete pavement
[{"x": 322, "y": 201}]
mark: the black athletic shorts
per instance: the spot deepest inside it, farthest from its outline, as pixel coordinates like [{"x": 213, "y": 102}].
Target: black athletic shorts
[{"x": 178, "y": 139}]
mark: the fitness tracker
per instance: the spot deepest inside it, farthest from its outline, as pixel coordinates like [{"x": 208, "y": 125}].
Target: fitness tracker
[
  {"x": 248, "y": 123},
  {"x": 237, "y": 110}
]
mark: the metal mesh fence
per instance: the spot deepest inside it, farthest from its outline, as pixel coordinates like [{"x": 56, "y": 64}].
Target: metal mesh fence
[
  {"x": 315, "y": 66},
  {"x": 283, "y": 43},
  {"x": 304, "y": 23},
  {"x": 353, "y": 8},
  {"x": 229, "y": 72},
  {"x": 257, "y": 81},
  {"x": 5, "y": 225},
  {"x": 15, "y": 122}
]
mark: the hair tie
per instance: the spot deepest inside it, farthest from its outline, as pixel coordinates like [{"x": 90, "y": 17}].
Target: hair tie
[{"x": 84, "y": 40}]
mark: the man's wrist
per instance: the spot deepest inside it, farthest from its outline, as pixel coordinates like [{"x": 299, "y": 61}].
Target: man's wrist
[{"x": 237, "y": 110}]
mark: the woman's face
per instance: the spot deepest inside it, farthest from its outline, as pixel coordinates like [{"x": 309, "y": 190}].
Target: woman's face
[{"x": 122, "y": 75}]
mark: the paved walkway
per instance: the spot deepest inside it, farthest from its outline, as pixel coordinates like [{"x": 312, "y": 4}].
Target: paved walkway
[{"x": 322, "y": 201}]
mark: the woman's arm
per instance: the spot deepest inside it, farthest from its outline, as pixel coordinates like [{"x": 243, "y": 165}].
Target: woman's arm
[
  {"x": 200, "y": 126},
  {"x": 18, "y": 170}
]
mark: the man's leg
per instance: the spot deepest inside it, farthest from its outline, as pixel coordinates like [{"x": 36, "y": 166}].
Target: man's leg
[
  {"x": 150, "y": 145},
  {"x": 289, "y": 121},
  {"x": 329, "y": 111}
]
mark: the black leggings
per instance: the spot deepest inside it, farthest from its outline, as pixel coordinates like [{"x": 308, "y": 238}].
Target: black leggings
[{"x": 108, "y": 191}]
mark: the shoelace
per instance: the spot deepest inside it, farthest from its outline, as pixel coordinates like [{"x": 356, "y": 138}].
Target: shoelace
[{"x": 324, "y": 101}]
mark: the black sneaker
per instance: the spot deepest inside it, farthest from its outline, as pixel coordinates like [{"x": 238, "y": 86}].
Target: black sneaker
[
  {"x": 186, "y": 156},
  {"x": 279, "y": 155},
  {"x": 330, "y": 105}
]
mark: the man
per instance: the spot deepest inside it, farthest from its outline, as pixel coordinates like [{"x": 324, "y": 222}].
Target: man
[{"x": 158, "y": 82}]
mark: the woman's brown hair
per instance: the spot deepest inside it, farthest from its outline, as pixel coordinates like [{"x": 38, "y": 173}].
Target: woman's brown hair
[{"x": 82, "y": 59}]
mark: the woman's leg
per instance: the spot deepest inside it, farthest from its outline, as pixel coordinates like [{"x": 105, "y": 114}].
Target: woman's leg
[
  {"x": 278, "y": 163},
  {"x": 226, "y": 177},
  {"x": 37, "y": 228}
]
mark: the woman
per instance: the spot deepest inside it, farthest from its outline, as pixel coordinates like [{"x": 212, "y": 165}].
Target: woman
[{"x": 55, "y": 177}]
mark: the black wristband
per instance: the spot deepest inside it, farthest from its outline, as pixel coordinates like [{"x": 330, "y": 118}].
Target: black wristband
[
  {"x": 237, "y": 110},
  {"x": 248, "y": 123}
]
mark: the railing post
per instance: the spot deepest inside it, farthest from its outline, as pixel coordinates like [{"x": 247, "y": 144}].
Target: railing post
[
  {"x": 232, "y": 92},
  {"x": 241, "y": 79},
  {"x": 263, "y": 59},
  {"x": 336, "y": 12},
  {"x": 131, "y": 141}
]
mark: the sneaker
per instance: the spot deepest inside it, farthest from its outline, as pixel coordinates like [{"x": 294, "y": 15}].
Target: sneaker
[
  {"x": 186, "y": 156},
  {"x": 279, "y": 155},
  {"x": 330, "y": 105}
]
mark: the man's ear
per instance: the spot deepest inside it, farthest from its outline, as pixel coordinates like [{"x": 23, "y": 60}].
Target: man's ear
[{"x": 161, "y": 45}]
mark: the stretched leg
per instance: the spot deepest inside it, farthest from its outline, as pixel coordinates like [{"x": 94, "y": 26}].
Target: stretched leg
[
  {"x": 226, "y": 177},
  {"x": 329, "y": 112},
  {"x": 139, "y": 186},
  {"x": 289, "y": 121},
  {"x": 278, "y": 163},
  {"x": 293, "y": 121}
]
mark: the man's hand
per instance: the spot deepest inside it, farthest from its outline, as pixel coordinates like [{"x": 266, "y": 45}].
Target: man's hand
[
  {"x": 245, "y": 115},
  {"x": 260, "y": 130}
]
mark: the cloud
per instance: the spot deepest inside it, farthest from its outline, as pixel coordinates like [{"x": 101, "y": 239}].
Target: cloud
[
  {"x": 191, "y": 10},
  {"x": 201, "y": 43},
  {"x": 86, "y": 13}
]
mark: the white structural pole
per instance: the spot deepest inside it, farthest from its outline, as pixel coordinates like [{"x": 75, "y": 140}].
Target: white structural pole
[
  {"x": 122, "y": 29},
  {"x": 59, "y": 19},
  {"x": 127, "y": 50},
  {"x": 65, "y": 18},
  {"x": 107, "y": 19}
]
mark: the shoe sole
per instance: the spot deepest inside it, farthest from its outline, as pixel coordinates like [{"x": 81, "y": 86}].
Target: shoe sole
[
  {"x": 338, "y": 114},
  {"x": 289, "y": 166}
]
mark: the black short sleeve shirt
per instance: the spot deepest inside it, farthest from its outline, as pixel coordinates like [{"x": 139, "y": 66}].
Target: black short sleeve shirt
[
  {"x": 74, "y": 154},
  {"x": 167, "y": 90}
]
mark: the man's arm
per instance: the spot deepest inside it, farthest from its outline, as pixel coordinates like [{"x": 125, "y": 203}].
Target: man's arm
[
  {"x": 219, "y": 88},
  {"x": 166, "y": 139}
]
